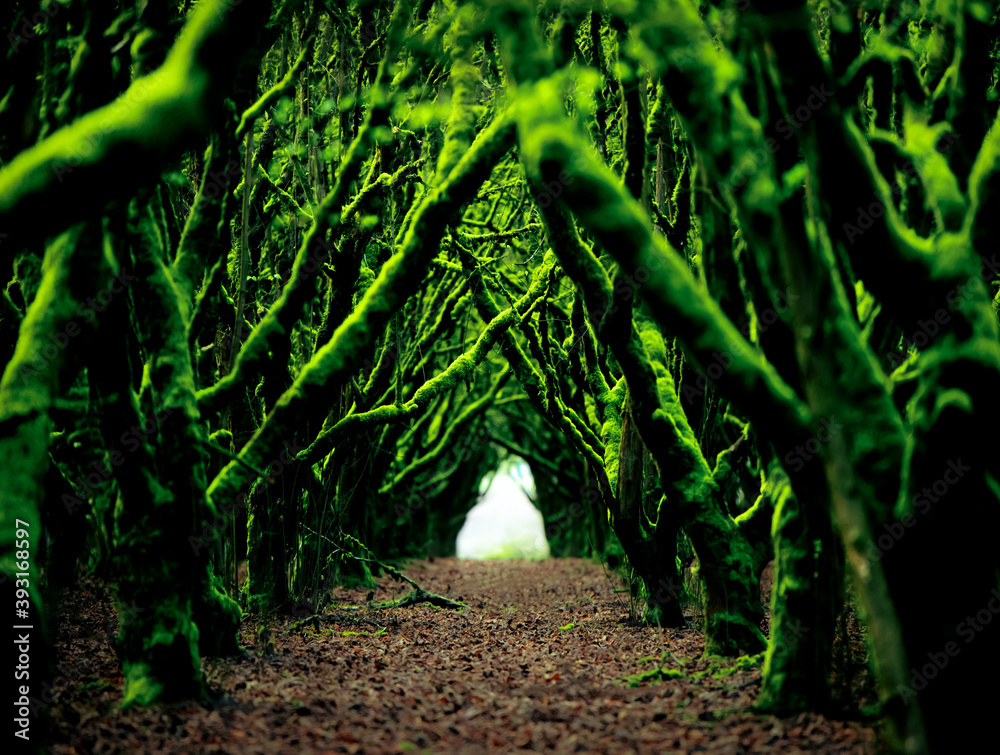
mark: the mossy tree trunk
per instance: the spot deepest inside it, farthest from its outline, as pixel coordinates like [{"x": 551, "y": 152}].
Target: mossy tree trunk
[
  {"x": 644, "y": 509},
  {"x": 46, "y": 361},
  {"x": 808, "y": 580}
]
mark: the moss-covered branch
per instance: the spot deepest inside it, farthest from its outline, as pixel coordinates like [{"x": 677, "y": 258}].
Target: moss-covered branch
[
  {"x": 313, "y": 251},
  {"x": 532, "y": 383},
  {"x": 159, "y": 116},
  {"x": 397, "y": 280},
  {"x": 446, "y": 442},
  {"x": 460, "y": 369},
  {"x": 46, "y": 360},
  {"x": 183, "y": 589},
  {"x": 664, "y": 281},
  {"x": 286, "y": 84}
]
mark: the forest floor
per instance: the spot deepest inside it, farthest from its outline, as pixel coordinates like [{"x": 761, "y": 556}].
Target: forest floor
[{"x": 536, "y": 662}]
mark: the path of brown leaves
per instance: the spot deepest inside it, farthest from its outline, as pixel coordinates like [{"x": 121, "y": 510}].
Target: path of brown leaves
[{"x": 535, "y": 663}]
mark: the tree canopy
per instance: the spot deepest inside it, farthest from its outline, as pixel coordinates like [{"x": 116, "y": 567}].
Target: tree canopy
[{"x": 286, "y": 280}]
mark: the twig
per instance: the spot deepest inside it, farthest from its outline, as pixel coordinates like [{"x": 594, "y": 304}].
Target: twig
[
  {"x": 234, "y": 457},
  {"x": 415, "y": 596}
]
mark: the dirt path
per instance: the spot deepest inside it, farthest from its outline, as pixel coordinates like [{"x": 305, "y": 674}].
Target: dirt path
[{"x": 535, "y": 663}]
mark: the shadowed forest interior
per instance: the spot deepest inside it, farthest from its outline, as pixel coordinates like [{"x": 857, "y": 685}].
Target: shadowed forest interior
[{"x": 705, "y": 290}]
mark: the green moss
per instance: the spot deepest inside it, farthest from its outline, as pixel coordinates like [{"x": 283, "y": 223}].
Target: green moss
[
  {"x": 799, "y": 651},
  {"x": 160, "y": 654},
  {"x": 142, "y": 690},
  {"x": 221, "y": 437},
  {"x": 464, "y": 79},
  {"x": 220, "y": 615},
  {"x": 721, "y": 667},
  {"x": 655, "y": 675},
  {"x": 158, "y": 113}
]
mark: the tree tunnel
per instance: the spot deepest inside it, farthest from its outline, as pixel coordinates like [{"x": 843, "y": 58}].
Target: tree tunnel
[
  {"x": 352, "y": 268},
  {"x": 504, "y": 523}
]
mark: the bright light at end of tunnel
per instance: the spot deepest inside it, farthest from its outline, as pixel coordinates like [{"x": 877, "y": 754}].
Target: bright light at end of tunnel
[{"x": 505, "y": 524}]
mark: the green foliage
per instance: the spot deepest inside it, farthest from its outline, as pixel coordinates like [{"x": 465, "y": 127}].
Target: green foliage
[{"x": 381, "y": 248}]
